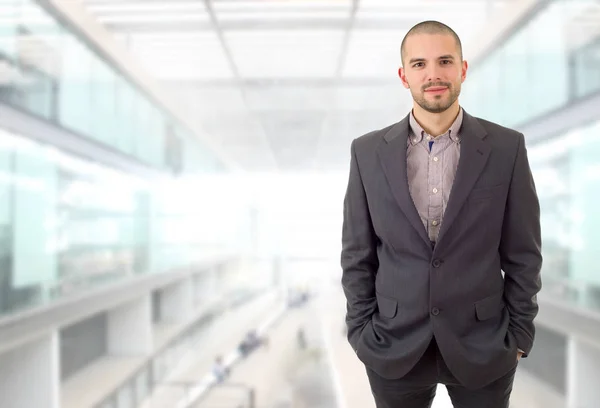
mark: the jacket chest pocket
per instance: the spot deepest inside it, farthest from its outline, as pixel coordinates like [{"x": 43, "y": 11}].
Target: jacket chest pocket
[{"x": 486, "y": 193}]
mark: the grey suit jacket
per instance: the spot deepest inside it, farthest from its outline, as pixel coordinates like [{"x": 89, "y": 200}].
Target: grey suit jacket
[{"x": 400, "y": 292}]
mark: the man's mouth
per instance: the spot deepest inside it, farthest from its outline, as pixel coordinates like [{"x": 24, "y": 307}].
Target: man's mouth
[{"x": 436, "y": 89}]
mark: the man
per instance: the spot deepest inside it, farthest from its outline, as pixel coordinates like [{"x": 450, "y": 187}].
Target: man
[{"x": 437, "y": 206}]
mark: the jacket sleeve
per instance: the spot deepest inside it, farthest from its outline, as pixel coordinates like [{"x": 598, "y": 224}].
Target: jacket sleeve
[
  {"x": 520, "y": 251},
  {"x": 359, "y": 255}
]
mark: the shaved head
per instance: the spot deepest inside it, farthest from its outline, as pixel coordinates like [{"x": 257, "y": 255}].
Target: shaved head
[{"x": 431, "y": 27}]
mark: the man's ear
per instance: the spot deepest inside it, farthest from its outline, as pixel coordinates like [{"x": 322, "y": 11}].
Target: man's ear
[
  {"x": 463, "y": 74},
  {"x": 402, "y": 75}
]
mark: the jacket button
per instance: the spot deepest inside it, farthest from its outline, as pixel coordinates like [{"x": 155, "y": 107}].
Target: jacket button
[
  {"x": 435, "y": 311},
  {"x": 436, "y": 263}
]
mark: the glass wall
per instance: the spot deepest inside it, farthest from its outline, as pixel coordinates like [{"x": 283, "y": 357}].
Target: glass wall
[
  {"x": 567, "y": 172},
  {"x": 67, "y": 224},
  {"x": 549, "y": 62},
  {"x": 567, "y": 175},
  {"x": 47, "y": 70}
]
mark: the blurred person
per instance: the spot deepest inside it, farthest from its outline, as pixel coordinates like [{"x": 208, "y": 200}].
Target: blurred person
[
  {"x": 251, "y": 342},
  {"x": 437, "y": 206},
  {"x": 301, "y": 338},
  {"x": 220, "y": 371}
]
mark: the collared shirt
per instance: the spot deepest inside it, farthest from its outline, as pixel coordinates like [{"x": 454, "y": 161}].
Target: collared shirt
[{"x": 431, "y": 172}]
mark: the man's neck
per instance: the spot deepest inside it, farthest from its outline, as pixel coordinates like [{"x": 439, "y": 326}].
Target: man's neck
[{"x": 436, "y": 124}]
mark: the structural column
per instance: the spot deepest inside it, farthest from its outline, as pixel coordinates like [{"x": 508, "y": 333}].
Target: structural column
[
  {"x": 130, "y": 328},
  {"x": 30, "y": 374},
  {"x": 177, "y": 301},
  {"x": 583, "y": 373},
  {"x": 204, "y": 286}
]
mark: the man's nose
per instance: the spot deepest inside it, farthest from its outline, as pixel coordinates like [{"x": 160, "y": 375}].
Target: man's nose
[{"x": 434, "y": 74}]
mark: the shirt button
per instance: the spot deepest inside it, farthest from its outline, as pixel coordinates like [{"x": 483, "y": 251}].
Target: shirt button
[
  {"x": 435, "y": 222},
  {"x": 435, "y": 311},
  {"x": 436, "y": 263},
  {"x": 435, "y": 190},
  {"x": 435, "y": 159},
  {"x": 428, "y": 137}
]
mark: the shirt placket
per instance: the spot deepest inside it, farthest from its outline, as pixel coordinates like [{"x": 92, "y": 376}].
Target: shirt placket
[{"x": 436, "y": 188}]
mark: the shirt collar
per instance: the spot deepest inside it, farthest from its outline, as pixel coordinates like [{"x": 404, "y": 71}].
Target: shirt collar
[{"x": 418, "y": 132}]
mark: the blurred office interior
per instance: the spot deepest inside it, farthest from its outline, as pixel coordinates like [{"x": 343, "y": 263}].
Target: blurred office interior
[{"x": 171, "y": 185}]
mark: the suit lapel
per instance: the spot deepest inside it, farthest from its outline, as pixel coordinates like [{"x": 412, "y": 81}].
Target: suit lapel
[
  {"x": 474, "y": 153},
  {"x": 392, "y": 154}
]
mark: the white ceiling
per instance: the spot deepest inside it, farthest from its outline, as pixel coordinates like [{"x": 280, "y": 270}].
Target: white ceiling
[{"x": 283, "y": 84}]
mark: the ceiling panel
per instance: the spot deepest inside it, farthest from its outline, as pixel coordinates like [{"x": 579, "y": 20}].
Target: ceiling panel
[
  {"x": 206, "y": 100},
  {"x": 284, "y": 15},
  {"x": 284, "y": 54},
  {"x": 164, "y": 18},
  {"x": 144, "y": 7},
  {"x": 292, "y": 97},
  {"x": 466, "y": 17},
  {"x": 373, "y": 53},
  {"x": 181, "y": 56},
  {"x": 279, "y": 5}
]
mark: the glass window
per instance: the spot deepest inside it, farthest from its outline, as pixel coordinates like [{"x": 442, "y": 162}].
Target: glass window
[
  {"x": 143, "y": 132},
  {"x": 553, "y": 57},
  {"x": 566, "y": 174},
  {"x": 515, "y": 79},
  {"x": 159, "y": 368},
  {"x": 6, "y": 224},
  {"x": 142, "y": 386},
  {"x": 34, "y": 217},
  {"x": 65, "y": 224},
  {"x": 156, "y": 145},
  {"x": 98, "y": 209},
  {"x": 586, "y": 61},
  {"x": 8, "y": 27},
  {"x": 549, "y": 61},
  {"x": 102, "y": 102},
  {"x": 488, "y": 77},
  {"x": 49, "y": 71},
  {"x": 32, "y": 59},
  {"x": 584, "y": 182},
  {"x": 125, "y": 397},
  {"x": 75, "y": 96},
  {"x": 125, "y": 108}
]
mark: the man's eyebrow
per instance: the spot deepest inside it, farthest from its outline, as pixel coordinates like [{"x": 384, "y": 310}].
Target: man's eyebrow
[{"x": 413, "y": 60}]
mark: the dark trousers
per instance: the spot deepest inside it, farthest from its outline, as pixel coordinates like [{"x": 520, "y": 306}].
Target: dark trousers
[{"x": 417, "y": 388}]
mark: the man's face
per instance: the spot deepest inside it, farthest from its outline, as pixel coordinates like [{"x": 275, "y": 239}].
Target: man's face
[{"x": 433, "y": 70}]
